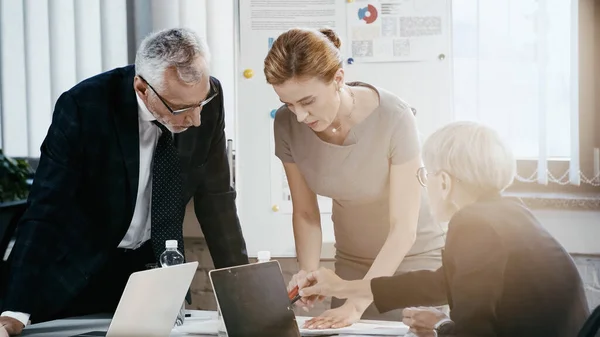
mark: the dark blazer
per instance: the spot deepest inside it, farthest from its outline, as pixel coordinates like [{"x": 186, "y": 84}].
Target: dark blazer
[
  {"x": 591, "y": 328},
  {"x": 502, "y": 275},
  {"x": 84, "y": 192}
]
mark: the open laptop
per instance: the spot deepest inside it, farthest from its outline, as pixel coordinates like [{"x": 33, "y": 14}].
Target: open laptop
[
  {"x": 150, "y": 302},
  {"x": 254, "y": 301}
]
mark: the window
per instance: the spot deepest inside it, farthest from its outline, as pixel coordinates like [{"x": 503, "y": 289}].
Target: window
[{"x": 516, "y": 68}]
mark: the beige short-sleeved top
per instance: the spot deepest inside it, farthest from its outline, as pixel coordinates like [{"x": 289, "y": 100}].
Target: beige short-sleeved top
[{"x": 356, "y": 175}]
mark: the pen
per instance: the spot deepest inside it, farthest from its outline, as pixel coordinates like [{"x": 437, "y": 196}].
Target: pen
[
  {"x": 295, "y": 299},
  {"x": 293, "y": 295}
]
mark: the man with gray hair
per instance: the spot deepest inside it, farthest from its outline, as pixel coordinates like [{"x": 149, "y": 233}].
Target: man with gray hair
[{"x": 126, "y": 151}]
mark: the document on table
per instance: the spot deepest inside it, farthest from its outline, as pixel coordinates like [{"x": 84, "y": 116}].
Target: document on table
[{"x": 363, "y": 328}]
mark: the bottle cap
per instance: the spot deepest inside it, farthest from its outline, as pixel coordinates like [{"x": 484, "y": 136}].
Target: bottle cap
[
  {"x": 263, "y": 255},
  {"x": 171, "y": 243}
]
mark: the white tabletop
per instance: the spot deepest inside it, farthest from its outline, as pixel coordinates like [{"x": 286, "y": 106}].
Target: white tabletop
[{"x": 79, "y": 325}]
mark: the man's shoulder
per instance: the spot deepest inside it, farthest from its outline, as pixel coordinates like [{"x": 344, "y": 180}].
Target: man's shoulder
[
  {"x": 215, "y": 80},
  {"x": 103, "y": 85}
]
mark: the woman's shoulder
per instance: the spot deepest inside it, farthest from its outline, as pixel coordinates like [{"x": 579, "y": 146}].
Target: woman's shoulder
[
  {"x": 473, "y": 223},
  {"x": 283, "y": 120},
  {"x": 391, "y": 106},
  {"x": 283, "y": 114},
  {"x": 495, "y": 212},
  {"x": 395, "y": 104}
]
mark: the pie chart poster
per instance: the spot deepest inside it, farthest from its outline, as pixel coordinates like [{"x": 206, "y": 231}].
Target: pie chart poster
[{"x": 395, "y": 30}]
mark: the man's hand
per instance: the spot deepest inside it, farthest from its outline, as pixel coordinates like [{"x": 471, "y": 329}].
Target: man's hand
[
  {"x": 419, "y": 319},
  {"x": 10, "y": 326}
]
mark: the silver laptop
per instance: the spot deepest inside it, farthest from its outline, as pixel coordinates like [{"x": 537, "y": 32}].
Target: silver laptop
[{"x": 150, "y": 302}]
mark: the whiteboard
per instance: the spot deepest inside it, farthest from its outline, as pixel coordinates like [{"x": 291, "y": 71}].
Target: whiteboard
[{"x": 422, "y": 78}]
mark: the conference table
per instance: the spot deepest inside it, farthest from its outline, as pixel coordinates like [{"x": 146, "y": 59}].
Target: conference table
[{"x": 79, "y": 325}]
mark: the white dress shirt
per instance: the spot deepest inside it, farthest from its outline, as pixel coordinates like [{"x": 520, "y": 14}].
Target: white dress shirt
[{"x": 139, "y": 228}]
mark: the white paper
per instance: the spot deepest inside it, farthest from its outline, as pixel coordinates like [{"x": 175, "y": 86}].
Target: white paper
[
  {"x": 199, "y": 327},
  {"x": 363, "y": 328},
  {"x": 268, "y": 19},
  {"x": 278, "y": 15},
  {"x": 396, "y": 30}
]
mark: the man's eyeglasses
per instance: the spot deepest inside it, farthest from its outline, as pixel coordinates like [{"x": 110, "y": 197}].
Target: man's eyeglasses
[{"x": 212, "y": 93}]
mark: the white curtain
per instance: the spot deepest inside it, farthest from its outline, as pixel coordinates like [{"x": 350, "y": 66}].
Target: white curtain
[
  {"x": 516, "y": 69},
  {"x": 49, "y": 46}
]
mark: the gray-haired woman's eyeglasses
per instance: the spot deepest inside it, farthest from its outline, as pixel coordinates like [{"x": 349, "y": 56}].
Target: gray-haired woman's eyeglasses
[
  {"x": 422, "y": 176},
  {"x": 212, "y": 93}
]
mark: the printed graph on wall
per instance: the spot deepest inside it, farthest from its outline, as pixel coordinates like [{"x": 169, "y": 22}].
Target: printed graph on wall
[{"x": 395, "y": 30}]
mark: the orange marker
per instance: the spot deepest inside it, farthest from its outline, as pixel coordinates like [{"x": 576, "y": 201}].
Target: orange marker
[{"x": 294, "y": 295}]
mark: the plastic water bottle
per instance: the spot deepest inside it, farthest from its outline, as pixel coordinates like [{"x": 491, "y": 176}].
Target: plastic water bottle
[
  {"x": 263, "y": 256},
  {"x": 171, "y": 257}
]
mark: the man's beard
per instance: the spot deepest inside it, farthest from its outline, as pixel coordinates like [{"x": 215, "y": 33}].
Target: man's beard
[{"x": 170, "y": 127}]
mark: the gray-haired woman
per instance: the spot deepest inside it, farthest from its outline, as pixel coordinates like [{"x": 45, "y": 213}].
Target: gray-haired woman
[{"x": 502, "y": 273}]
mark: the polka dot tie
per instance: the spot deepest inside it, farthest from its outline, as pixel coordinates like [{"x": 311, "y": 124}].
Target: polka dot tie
[{"x": 168, "y": 208}]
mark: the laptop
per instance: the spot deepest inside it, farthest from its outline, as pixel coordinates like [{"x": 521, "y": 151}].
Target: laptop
[
  {"x": 136, "y": 315},
  {"x": 253, "y": 300}
]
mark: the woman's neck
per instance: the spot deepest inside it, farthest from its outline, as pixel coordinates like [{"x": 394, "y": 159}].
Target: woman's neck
[
  {"x": 339, "y": 127},
  {"x": 343, "y": 120},
  {"x": 463, "y": 197},
  {"x": 463, "y": 200},
  {"x": 356, "y": 104}
]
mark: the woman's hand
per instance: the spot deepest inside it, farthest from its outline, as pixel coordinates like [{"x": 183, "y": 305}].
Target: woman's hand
[
  {"x": 300, "y": 280},
  {"x": 301, "y": 275},
  {"x": 340, "y": 317},
  {"x": 323, "y": 282}
]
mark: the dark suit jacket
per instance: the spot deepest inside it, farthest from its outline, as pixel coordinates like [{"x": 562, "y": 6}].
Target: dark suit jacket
[
  {"x": 502, "y": 275},
  {"x": 84, "y": 192}
]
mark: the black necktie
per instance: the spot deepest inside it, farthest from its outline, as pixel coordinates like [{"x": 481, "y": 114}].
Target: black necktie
[{"x": 168, "y": 208}]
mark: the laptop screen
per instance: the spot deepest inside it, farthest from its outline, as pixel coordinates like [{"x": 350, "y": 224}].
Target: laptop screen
[{"x": 254, "y": 302}]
